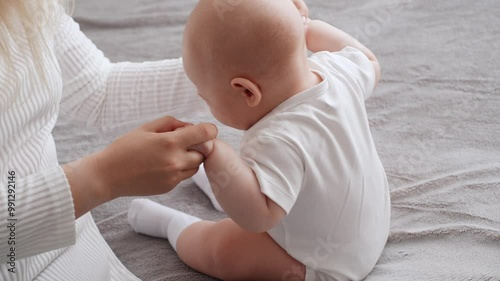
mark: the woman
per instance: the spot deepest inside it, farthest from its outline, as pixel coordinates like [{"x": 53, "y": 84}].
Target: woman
[{"x": 48, "y": 67}]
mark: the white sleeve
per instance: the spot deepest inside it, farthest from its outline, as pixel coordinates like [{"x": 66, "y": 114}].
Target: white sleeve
[
  {"x": 37, "y": 215},
  {"x": 278, "y": 167},
  {"x": 353, "y": 65},
  {"x": 108, "y": 95}
]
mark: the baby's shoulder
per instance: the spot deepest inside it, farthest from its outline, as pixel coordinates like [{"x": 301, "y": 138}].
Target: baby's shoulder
[
  {"x": 292, "y": 128},
  {"x": 349, "y": 68}
]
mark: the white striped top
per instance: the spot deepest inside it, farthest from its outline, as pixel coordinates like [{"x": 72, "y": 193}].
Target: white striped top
[{"x": 84, "y": 86}]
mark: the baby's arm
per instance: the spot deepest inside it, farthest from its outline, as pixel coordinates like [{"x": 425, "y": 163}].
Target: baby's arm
[
  {"x": 238, "y": 192},
  {"x": 321, "y": 36}
]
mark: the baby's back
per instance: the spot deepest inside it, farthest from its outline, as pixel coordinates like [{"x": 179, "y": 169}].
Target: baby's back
[{"x": 315, "y": 157}]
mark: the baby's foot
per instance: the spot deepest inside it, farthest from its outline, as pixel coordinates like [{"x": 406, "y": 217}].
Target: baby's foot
[{"x": 150, "y": 218}]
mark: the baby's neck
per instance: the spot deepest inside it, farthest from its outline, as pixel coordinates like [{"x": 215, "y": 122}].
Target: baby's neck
[
  {"x": 306, "y": 80},
  {"x": 299, "y": 78}
]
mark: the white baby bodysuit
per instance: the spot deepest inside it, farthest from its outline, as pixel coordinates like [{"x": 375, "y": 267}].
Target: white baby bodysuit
[{"x": 315, "y": 157}]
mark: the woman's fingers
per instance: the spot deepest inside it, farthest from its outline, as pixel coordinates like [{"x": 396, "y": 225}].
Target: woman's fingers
[
  {"x": 164, "y": 124},
  {"x": 186, "y": 174},
  {"x": 154, "y": 158},
  {"x": 193, "y": 135},
  {"x": 203, "y": 148},
  {"x": 191, "y": 160}
]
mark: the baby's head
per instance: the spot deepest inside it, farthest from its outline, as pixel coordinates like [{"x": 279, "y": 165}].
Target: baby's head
[{"x": 241, "y": 56}]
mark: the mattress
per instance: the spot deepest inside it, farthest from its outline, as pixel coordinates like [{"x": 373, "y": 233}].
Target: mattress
[{"x": 435, "y": 119}]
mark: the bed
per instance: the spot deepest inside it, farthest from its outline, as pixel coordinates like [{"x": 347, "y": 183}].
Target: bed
[{"x": 435, "y": 119}]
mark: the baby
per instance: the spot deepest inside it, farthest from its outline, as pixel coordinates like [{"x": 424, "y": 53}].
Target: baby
[{"x": 307, "y": 196}]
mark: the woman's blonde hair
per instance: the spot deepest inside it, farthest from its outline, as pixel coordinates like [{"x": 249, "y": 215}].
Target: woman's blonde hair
[{"x": 30, "y": 21}]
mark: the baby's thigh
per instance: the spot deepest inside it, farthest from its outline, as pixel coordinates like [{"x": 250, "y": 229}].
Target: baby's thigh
[{"x": 236, "y": 254}]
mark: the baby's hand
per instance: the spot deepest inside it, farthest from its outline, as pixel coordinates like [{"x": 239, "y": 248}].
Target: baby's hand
[{"x": 204, "y": 148}]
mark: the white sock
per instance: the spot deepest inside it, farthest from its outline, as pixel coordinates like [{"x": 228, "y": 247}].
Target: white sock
[
  {"x": 201, "y": 180},
  {"x": 150, "y": 218}
]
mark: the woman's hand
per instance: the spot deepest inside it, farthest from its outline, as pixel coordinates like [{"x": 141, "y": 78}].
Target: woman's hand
[
  {"x": 204, "y": 148},
  {"x": 150, "y": 160}
]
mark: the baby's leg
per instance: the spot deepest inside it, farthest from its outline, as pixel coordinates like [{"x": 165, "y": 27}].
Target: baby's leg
[
  {"x": 226, "y": 251},
  {"x": 220, "y": 249}
]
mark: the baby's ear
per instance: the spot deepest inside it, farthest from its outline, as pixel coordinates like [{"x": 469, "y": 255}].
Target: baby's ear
[{"x": 248, "y": 89}]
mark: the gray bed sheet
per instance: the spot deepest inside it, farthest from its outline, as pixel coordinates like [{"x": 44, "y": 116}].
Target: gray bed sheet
[{"x": 435, "y": 120}]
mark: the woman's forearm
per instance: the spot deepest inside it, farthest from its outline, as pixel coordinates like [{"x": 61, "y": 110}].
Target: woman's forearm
[
  {"x": 38, "y": 213},
  {"x": 107, "y": 95}
]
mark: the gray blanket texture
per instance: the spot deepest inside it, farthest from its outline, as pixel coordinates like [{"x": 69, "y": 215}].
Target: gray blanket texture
[{"x": 435, "y": 120}]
